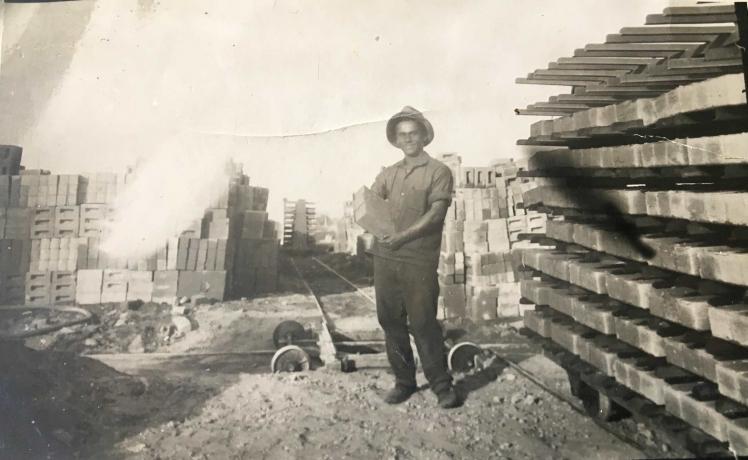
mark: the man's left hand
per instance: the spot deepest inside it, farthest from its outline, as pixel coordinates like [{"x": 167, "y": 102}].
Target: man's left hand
[{"x": 393, "y": 242}]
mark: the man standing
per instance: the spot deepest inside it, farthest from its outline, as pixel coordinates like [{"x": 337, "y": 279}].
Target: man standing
[{"x": 419, "y": 190}]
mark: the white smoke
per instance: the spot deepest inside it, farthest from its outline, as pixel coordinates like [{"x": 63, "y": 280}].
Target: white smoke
[{"x": 165, "y": 194}]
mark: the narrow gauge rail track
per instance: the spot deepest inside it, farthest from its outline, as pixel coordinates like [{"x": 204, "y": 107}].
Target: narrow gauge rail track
[{"x": 604, "y": 412}]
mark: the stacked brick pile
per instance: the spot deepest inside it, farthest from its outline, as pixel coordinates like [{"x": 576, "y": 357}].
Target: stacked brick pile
[
  {"x": 52, "y": 226},
  {"x": 478, "y": 277},
  {"x": 644, "y": 280}
]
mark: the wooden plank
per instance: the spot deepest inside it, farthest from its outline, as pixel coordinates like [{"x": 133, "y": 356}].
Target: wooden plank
[
  {"x": 629, "y": 91},
  {"x": 675, "y": 38},
  {"x": 559, "y": 105},
  {"x": 580, "y": 66},
  {"x": 588, "y": 78},
  {"x": 723, "y": 91},
  {"x": 530, "y": 81},
  {"x": 650, "y": 80},
  {"x": 663, "y": 54},
  {"x": 741, "y": 10},
  {"x": 696, "y": 63},
  {"x": 540, "y": 113},
  {"x": 731, "y": 149},
  {"x": 698, "y": 10},
  {"x": 652, "y": 47},
  {"x": 585, "y": 99},
  {"x": 657, "y": 19},
  {"x": 679, "y": 30},
  {"x": 609, "y": 61},
  {"x": 580, "y": 73}
]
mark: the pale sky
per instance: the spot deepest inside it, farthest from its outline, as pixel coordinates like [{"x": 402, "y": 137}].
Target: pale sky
[{"x": 240, "y": 75}]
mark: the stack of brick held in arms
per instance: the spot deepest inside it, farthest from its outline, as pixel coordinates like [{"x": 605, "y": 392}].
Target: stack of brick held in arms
[
  {"x": 484, "y": 226},
  {"x": 644, "y": 279},
  {"x": 373, "y": 213},
  {"x": 52, "y": 227}
]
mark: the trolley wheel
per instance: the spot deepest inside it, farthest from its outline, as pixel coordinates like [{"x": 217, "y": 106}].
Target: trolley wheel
[
  {"x": 575, "y": 383},
  {"x": 599, "y": 405},
  {"x": 290, "y": 359},
  {"x": 347, "y": 365},
  {"x": 464, "y": 357},
  {"x": 287, "y": 332}
]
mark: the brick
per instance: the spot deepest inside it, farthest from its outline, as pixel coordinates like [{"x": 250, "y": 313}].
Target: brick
[
  {"x": 538, "y": 321},
  {"x": 192, "y": 253},
  {"x": 202, "y": 254},
  {"x": 253, "y": 224},
  {"x": 38, "y": 288},
  {"x": 114, "y": 286},
  {"x": 165, "y": 285},
  {"x": 140, "y": 286},
  {"x": 172, "y": 250},
  {"x": 63, "y": 288},
  {"x": 729, "y": 322},
  {"x": 595, "y": 312},
  {"x": 702, "y": 414},
  {"x": 212, "y": 284},
  {"x": 642, "y": 331},
  {"x": 723, "y": 264},
  {"x": 183, "y": 252},
  {"x": 372, "y": 213},
  {"x": 560, "y": 230},
  {"x": 681, "y": 305},
  {"x": 572, "y": 336},
  {"x": 66, "y": 221},
  {"x": 18, "y": 223},
  {"x": 454, "y": 301},
  {"x": 638, "y": 374},
  {"x": 604, "y": 351},
  {"x": 483, "y": 303},
  {"x": 93, "y": 220},
  {"x": 737, "y": 435},
  {"x": 592, "y": 275}
]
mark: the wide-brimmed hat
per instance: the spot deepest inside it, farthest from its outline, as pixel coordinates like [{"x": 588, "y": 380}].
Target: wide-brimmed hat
[{"x": 409, "y": 113}]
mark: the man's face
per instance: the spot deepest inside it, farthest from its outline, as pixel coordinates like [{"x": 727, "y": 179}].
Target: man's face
[{"x": 409, "y": 137}]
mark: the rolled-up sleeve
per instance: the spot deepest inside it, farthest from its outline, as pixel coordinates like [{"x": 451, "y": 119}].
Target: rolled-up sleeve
[
  {"x": 379, "y": 187},
  {"x": 442, "y": 185}
]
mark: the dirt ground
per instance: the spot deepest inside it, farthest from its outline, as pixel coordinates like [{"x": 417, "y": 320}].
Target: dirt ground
[{"x": 59, "y": 404}]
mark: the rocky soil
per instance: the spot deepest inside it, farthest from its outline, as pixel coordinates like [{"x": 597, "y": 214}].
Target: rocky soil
[{"x": 59, "y": 404}]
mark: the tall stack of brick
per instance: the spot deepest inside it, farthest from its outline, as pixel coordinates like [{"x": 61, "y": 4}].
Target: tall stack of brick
[
  {"x": 299, "y": 223},
  {"x": 477, "y": 276},
  {"x": 52, "y": 226},
  {"x": 644, "y": 279}
]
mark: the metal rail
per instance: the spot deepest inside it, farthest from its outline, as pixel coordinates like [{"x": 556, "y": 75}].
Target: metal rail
[
  {"x": 359, "y": 290},
  {"x": 493, "y": 347},
  {"x": 328, "y": 352},
  {"x": 573, "y": 403}
]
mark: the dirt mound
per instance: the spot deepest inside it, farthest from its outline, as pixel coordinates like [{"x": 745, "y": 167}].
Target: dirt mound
[{"x": 56, "y": 404}]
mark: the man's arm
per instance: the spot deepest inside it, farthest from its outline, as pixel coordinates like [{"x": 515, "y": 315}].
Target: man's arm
[{"x": 433, "y": 218}]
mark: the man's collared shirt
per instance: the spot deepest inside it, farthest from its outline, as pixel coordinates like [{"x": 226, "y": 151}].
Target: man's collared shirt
[{"x": 411, "y": 189}]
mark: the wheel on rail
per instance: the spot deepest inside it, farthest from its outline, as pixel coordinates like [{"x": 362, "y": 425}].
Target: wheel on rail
[
  {"x": 599, "y": 405},
  {"x": 290, "y": 359},
  {"x": 287, "y": 333},
  {"x": 575, "y": 383},
  {"x": 464, "y": 357}
]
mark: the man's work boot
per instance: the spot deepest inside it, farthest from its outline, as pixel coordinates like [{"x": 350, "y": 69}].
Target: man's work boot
[
  {"x": 448, "y": 399},
  {"x": 399, "y": 394}
]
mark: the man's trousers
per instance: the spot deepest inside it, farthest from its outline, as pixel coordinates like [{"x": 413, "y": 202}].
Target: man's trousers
[{"x": 407, "y": 296}]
